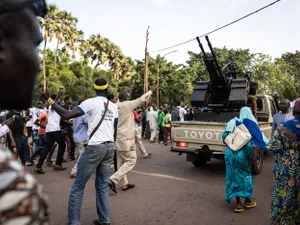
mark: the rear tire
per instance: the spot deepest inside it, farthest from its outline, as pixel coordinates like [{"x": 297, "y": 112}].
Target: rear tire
[
  {"x": 201, "y": 160},
  {"x": 257, "y": 160}
]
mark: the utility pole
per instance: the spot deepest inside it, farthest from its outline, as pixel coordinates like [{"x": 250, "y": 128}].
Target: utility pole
[
  {"x": 146, "y": 86},
  {"x": 158, "y": 75}
]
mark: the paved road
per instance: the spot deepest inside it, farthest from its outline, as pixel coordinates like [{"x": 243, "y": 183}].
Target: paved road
[{"x": 169, "y": 191}]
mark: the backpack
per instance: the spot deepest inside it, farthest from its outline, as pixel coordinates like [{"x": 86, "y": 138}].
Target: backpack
[{"x": 175, "y": 115}]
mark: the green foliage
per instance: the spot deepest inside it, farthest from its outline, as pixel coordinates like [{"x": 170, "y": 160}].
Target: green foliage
[
  {"x": 293, "y": 70},
  {"x": 75, "y": 63},
  {"x": 277, "y": 75},
  {"x": 77, "y": 71}
]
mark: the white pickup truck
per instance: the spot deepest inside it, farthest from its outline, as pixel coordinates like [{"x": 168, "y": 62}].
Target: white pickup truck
[{"x": 202, "y": 139}]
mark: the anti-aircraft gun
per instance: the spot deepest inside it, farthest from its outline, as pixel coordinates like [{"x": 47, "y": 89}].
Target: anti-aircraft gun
[
  {"x": 228, "y": 89},
  {"x": 224, "y": 94}
]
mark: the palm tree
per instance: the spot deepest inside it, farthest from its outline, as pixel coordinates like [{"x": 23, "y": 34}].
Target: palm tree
[
  {"x": 102, "y": 51},
  {"x": 95, "y": 48},
  {"x": 87, "y": 48},
  {"x": 74, "y": 39},
  {"x": 49, "y": 25},
  {"x": 121, "y": 65},
  {"x": 66, "y": 23}
]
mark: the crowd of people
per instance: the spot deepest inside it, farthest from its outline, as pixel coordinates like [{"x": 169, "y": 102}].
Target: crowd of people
[
  {"x": 123, "y": 123},
  {"x": 155, "y": 122}
]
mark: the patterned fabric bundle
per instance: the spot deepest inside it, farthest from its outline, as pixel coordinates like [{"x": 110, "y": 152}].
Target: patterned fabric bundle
[{"x": 21, "y": 200}]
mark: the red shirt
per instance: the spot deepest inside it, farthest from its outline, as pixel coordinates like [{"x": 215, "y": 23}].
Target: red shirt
[
  {"x": 43, "y": 121},
  {"x": 135, "y": 115}
]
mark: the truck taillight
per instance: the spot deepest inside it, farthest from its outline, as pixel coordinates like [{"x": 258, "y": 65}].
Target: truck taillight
[{"x": 181, "y": 144}]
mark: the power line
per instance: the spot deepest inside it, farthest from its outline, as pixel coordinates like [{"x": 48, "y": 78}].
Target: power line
[
  {"x": 173, "y": 46},
  {"x": 226, "y": 25}
]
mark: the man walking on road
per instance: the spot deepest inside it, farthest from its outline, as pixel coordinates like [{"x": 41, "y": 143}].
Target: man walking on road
[
  {"x": 80, "y": 138},
  {"x": 126, "y": 153},
  {"x": 153, "y": 123},
  {"x": 66, "y": 125},
  {"x": 54, "y": 134},
  {"x": 160, "y": 120},
  {"x": 182, "y": 113},
  {"x": 98, "y": 154}
]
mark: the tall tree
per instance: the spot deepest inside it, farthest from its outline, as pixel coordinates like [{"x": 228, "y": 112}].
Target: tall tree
[
  {"x": 49, "y": 25},
  {"x": 293, "y": 70},
  {"x": 66, "y": 27},
  {"x": 74, "y": 40}
]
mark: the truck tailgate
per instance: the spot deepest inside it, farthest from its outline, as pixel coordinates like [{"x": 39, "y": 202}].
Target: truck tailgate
[{"x": 199, "y": 134}]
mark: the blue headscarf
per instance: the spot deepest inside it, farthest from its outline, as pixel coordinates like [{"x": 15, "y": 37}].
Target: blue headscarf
[
  {"x": 246, "y": 117},
  {"x": 294, "y": 125}
]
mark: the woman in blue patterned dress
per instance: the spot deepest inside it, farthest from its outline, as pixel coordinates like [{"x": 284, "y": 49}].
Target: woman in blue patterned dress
[
  {"x": 285, "y": 208},
  {"x": 239, "y": 183}
]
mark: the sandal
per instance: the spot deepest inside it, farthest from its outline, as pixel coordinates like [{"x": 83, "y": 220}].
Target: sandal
[
  {"x": 112, "y": 186},
  {"x": 239, "y": 210},
  {"x": 251, "y": 205}
]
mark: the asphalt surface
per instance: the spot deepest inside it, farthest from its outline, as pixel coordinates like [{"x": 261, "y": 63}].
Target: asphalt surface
[{"x": 169, "y": 191}]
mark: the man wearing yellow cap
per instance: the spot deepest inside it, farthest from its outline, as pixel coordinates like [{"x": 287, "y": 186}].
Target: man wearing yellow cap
[{"x": 98, "y": 154}]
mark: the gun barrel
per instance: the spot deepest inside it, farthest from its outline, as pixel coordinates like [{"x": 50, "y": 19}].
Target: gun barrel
[
  {"x": 215, "y": 57},
  {"x": 210, "y": 47},
  {"x": 201, "y": 47}
]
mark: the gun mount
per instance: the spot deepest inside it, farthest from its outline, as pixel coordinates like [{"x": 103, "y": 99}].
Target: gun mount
[{"x": 224, "y": 90}]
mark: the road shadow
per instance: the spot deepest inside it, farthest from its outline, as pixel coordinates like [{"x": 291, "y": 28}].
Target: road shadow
[{"x": 213, "y": 167}]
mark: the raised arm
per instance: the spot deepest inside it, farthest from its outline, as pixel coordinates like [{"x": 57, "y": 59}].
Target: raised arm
[
  {"x": 131, "y": 88},
  {"x": 141, "y": 100},
  {"x": 66, "y": 114}
]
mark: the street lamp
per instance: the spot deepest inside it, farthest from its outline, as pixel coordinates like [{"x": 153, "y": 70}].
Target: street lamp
[{"x": 157, "y": 92}]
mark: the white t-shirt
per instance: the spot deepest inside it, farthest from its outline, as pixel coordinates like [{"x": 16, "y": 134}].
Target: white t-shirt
[
  {"x": 53, "y": 121},
  {"x": 182, "y": 112},
  {"x": 30, "y": 122},
  {"x": 94, "y": 108},
  {"x": 36, "y": 114},
  {"x": 3, "y": 130}
]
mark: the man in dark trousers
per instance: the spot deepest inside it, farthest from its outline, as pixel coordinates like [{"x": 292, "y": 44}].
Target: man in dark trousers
[
  {"x": 19, "y": 137},
  {"x": 66, "y": 126},
  {"x": 54, "y": 134}
]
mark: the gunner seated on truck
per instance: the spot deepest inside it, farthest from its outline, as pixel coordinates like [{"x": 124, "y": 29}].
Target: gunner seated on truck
[{"x": 252, "y": 97}]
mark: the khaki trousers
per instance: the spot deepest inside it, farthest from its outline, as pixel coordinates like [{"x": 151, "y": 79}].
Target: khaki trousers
[
  {"x": 139, "y": 142},
  {"x": 126, "y": 162}
]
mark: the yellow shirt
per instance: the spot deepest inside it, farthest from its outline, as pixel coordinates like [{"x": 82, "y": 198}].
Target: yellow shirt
[{"x": 167, "y": 120}]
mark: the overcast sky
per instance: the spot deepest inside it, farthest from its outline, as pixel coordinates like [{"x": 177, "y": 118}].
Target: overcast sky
[{"x": 273, "y": 31}]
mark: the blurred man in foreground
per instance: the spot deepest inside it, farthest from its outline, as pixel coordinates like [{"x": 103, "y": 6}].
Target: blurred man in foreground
[{"x": 22, "y": 201}]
